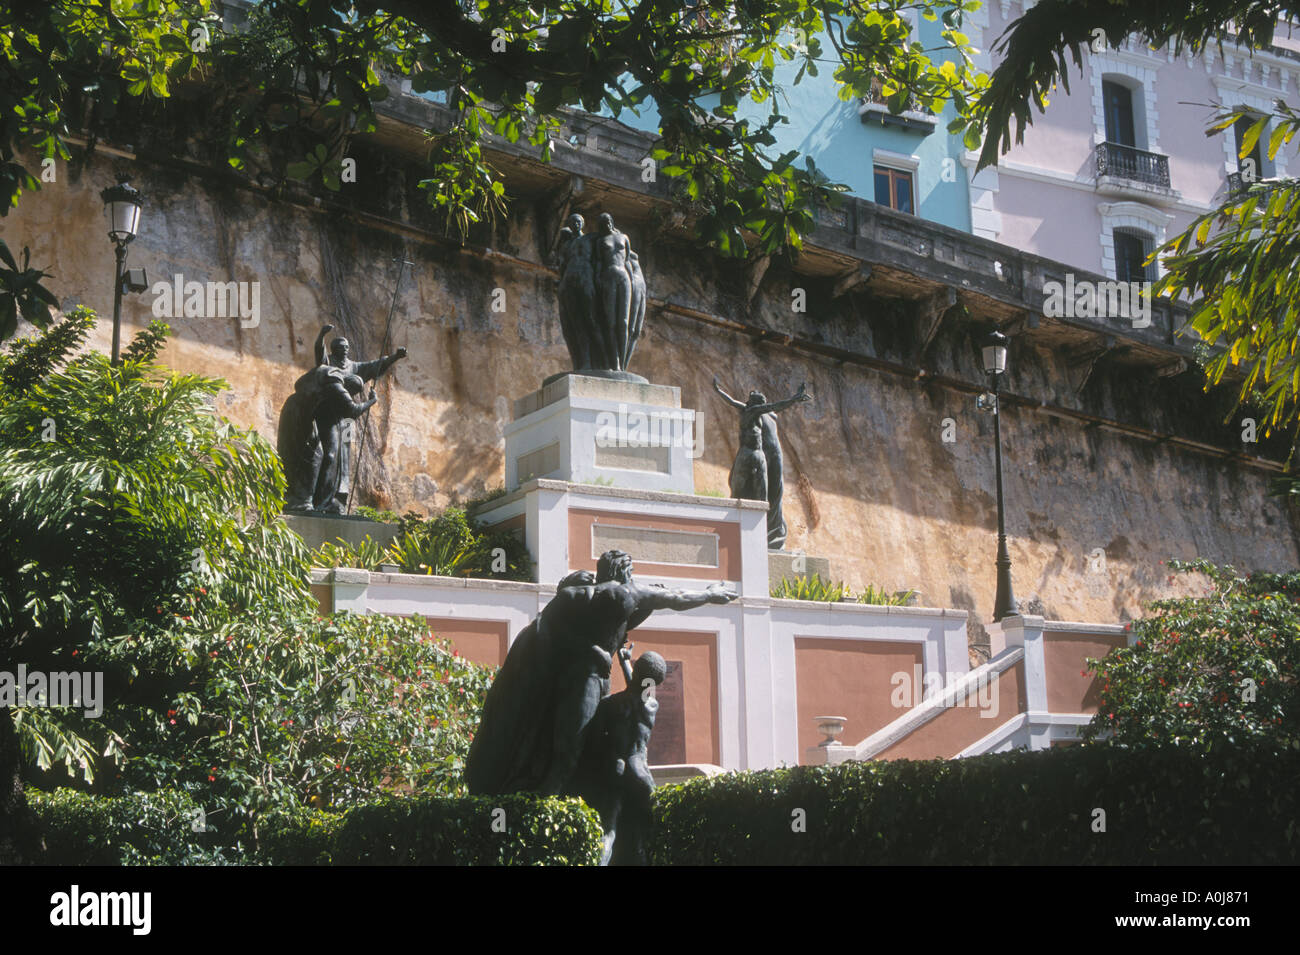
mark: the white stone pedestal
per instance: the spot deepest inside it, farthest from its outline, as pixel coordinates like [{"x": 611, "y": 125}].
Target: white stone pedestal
[{"x": 589, "y": 430}]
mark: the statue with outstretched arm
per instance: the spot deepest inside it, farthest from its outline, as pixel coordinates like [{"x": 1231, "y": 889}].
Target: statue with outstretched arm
[
  {"x": 756, "y": 474},
  {"x": 340, "y": 357},
  {"x": 536, "y": 715}
]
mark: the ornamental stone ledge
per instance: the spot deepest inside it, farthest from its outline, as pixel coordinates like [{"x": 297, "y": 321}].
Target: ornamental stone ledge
[{"x": 613, "y": 491}]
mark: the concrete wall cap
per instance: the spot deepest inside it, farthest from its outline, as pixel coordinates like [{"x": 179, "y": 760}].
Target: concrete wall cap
[
  {"x": 1076, "y": 626},
  {"x": 350, "y": 575}
]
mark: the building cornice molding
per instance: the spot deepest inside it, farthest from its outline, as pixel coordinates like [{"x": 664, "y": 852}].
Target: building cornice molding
[
  {"x": 1071, "y": 181},
  {"x": 1136, "y": 210}
]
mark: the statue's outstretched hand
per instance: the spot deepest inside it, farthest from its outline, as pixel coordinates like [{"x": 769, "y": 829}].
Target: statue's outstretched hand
[
  {"x": 401, "y": 352},
  {"x": 327, "y": 329},
  {"x": 802, "y": 393},
  {"x": 720, "y": 595}
]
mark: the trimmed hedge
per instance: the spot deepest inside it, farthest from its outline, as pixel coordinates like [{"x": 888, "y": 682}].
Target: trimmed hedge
[
  {"x": 158, "y": 829},
  {"x": 440, "y": 831},
  {"x": 138, "y": 829},
  {"x": 1165, "y": 806}
]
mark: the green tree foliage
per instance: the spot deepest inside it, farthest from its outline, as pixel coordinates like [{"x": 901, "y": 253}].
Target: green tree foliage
[
  {"x": 140, "y": 537},
  {"x": 1236, "y": 262},
  {"x": 284, "y": 97},
  {"x": 284, "y": 710},
  {"x": 66, "y": 54},
  {"x": 21, "y": 292},
  {"x": 119, "y": 492},
  {"x": 1217, "y": 670}
]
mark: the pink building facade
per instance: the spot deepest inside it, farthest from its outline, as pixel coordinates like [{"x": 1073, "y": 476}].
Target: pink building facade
[{"x": 1121, "y": 162}]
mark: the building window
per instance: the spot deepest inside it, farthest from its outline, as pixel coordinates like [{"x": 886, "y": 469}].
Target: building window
[
  {"x": 1131, "y": 251},
  {"x": 894, "y": 189},
  {"x": 1251, "y": 166},
  {"x": 1118, "y": 103}
]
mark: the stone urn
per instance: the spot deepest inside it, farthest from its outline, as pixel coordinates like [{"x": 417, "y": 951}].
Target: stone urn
[{"x": 831, "y": 727}]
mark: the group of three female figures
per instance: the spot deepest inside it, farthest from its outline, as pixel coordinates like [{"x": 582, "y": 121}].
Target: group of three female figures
[{"x": 602, "y": 295}]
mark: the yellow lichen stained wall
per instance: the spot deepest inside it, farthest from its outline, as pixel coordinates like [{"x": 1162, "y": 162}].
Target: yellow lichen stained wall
[{"x": 870, "y": 483}]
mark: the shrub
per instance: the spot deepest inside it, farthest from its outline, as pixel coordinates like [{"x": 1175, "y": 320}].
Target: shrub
[
  {"x": 1169, "y": 805},
  {"x": 810, "y": 588},
  {"x": 440, "y": 831},
  {"x": 452, "y": 544},
  {"x": 123, "y": 499},
  {"x": 167, "y": 828},
  {"x": 289, "y": 710},
  {"x": 827, "y": 591},
  {"x": 299, "y": 836},
  {"x": 158, "y": 828},
  {"x": 1217, "y": 670}
]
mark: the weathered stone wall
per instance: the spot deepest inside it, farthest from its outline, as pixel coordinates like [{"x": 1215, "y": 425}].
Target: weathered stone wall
[{"x": 870, "y": 481}]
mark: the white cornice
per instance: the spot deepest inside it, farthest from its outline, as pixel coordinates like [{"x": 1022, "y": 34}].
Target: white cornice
[
  {"x": 888, "y": 157},
  {"x": 1136, "y": 210},
  {"x": 1231, "y": 85},
  {"x": 1070, "y": 181},
  {"x": 1148, "y": 60}
]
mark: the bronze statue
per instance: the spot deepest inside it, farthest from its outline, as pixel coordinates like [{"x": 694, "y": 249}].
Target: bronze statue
[
  {"x": 310, "y": 439},
  {"x": 577, "y": 293},
  {"x": 602, "y": 295},
  {"x": 636, "y": 315},
  {"x": 757, "y": 472},
  {"x": 535, "y": 719},
  {"x": 613, "y": 776},
  {"x": 340, "y": 357}
]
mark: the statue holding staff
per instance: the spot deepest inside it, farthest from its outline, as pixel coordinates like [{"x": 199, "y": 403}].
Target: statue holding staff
[{"x": 340, "y": 357}]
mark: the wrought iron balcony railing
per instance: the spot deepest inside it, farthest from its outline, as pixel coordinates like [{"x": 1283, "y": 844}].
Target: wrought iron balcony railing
[{"x": 1133, "y": 164}]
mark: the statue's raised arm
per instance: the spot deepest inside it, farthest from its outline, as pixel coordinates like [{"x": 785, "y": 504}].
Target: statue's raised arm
[
  {"x": 726, "y": 397},
  {"x": 320, "y": 343},
  {"x": 775, "y": 406}
]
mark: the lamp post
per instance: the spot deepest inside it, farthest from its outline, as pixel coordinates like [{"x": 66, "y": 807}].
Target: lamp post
[
  {"x": 995, "y": 365},
  {"x": 122, "y": 206}
]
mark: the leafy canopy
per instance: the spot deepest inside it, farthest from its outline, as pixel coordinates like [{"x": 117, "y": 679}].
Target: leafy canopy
[{"x": 284, "y": 97}]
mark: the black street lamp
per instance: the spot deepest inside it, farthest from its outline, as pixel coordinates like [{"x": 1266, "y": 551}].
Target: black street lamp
[
  {"x": 122, "y": 206},
  {"x": 995, "y": 365}
]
